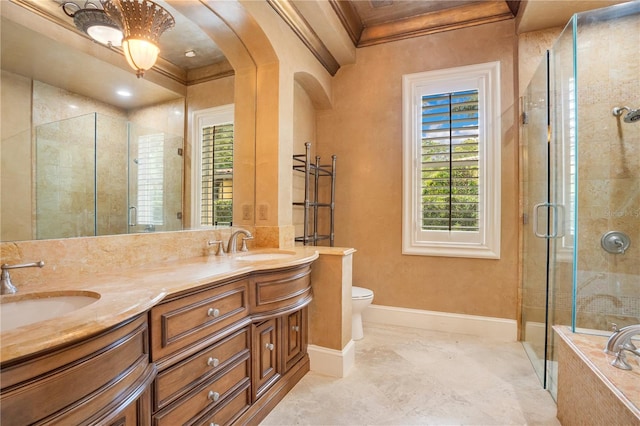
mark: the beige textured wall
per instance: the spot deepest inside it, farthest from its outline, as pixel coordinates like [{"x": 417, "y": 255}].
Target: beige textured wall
[{"x": 364, "y": 129}]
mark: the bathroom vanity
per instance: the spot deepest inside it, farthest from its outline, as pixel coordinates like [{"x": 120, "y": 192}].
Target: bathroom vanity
[{"x": 216, "y": 341}]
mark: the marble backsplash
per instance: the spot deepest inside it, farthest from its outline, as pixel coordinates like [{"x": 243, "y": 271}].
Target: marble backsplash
[{"x": 80, "y": 258}]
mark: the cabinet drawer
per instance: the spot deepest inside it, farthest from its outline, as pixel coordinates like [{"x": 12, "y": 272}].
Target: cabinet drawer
[
  {"x": 230, "y": 409},
  {"x": 192, "y": 319},
  {"x": 279, "y": 291},
  {"x": 179, "y": 379},
  {"x": 205, "y": 397}
]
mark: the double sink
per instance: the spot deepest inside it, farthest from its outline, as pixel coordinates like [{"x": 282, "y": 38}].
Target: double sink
[{"x": 20, "y": 310}]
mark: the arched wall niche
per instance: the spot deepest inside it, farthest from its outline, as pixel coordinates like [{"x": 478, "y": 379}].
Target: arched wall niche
[{"x": 316, "y": 91}]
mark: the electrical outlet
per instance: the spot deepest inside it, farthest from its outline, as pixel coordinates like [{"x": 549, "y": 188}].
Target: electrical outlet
[
  {"x": 246, "y": 212},
  {"x": 263, "y": 212}
]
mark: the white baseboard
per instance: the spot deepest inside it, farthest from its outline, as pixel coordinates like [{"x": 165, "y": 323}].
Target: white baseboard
[
  {"x": 534, "y": 331},
  {"x": 332, "y": 362},
  {"x": 495, "y": 328}
]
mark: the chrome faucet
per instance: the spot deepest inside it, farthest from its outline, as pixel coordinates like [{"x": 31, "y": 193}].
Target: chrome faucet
[
  {"x": 6, "y": 286},
  {"x": 232, "y": 247},
  {"x": 620, "y": 341}
]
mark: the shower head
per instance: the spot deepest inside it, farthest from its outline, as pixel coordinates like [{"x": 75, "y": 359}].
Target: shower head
[{"x": 632, "y": 116}]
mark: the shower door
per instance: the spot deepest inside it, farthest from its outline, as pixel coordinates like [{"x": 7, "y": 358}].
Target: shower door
[
  {"x": 535, "y": 164},
  {"x": 549, "y": 144},
  {"x": 155, "y": 180}
]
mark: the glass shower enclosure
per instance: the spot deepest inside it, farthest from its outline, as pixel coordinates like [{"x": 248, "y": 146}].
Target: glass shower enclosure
[
  {"x": 581, "y": 184},
  {"x": 100, "y": 175}
]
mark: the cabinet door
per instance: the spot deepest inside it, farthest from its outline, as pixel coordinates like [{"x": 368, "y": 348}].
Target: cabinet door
[
  {"x": 265, "y": 351},
  {"x": 137, "y": 413},
  {"x": 294, "y": 337}
]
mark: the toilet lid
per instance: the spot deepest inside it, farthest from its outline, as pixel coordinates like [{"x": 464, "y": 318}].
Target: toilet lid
[{"x": 361, "y": 293}]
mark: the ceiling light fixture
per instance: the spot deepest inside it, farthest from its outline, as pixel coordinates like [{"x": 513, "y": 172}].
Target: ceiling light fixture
[
  {"x": 94, "y": 22},
  {"x": 142, "y": 23}
]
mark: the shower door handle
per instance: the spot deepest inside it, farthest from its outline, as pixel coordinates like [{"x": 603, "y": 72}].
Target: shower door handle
[
  {"x": 133, "y": 216},
  {"x": 557, "y": 211}
]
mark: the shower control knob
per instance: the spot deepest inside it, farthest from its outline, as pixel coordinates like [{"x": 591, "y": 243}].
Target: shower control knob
[{"x": 615, "y": 242}]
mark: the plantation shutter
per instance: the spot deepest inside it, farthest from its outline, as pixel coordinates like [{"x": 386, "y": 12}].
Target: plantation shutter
[
  {"x": 217, "y": 175},
  {"x": 450, "y": 162},
  {"x": 150, "y": 179}
]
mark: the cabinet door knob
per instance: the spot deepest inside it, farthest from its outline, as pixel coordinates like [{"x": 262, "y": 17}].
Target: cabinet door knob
[
  {"x": 213, "y": 396},
  {"x": 213, "y": 362},
  {"x": 269, "y": 346},
  {"x": 213, "y": 312},
  {"x": 213, "y": 424},
  {"x": 295, "y": 328}
]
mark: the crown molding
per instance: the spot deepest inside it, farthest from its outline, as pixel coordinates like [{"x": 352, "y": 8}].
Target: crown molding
[
  {"x": 290, "y": 14},
  {"x": 349, "y": 19},
  {"x": 436, "y": 22}
]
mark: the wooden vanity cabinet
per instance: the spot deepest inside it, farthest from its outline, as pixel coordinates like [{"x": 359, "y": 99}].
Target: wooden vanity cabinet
[
  {"x": 220, "y": 354},
  {"x": 229, "y": 351},
  {"x": 102, "y": 380}
]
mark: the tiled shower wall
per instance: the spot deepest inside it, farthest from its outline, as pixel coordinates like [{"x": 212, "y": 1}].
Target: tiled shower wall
[
  {"x": 608, "y": 172},
  {"x": 63, "y": 181}
]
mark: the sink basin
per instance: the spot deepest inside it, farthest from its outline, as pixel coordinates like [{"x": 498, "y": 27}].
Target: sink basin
[
  {"x": 24, "y": 309},
  {"x": 257, "y": 257}
]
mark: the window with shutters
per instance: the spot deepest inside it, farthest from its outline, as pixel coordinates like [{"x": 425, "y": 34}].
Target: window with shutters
[
  {"x": 217, "y": 175},
  {"x": 451, "y": 162},
  {"x": 213, "y": 167}
]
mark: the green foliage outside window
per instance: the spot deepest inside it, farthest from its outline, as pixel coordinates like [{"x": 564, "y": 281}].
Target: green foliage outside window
[{"x": 450, "y": 162}]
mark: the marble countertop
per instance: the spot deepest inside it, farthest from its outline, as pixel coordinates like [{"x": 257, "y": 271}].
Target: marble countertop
[{"x": 127, "y": 293}]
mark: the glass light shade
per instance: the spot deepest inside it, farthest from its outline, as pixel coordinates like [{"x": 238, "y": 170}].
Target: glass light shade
[
  {"x": 141, "y": 54},
  {"x": 106, "y": 35}
]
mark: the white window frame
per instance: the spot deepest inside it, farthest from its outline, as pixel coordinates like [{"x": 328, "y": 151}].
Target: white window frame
[
  {"x": 486, "y": 242},
  {"x": 215, "y": 116}
]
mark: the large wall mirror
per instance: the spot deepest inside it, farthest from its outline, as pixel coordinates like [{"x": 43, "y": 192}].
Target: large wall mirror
[{"x": 88, "y": 149}]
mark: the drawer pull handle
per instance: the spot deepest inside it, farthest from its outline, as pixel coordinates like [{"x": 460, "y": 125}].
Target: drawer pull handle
[
  {"x": 213, "y": 312},
  {"x": 295, "y": 328},
  {"x": 213, "y": 362},
  {"x": 269, "y": 346},
  {"x": 213, "y": 396},
  {"x": 214, "y": 424}
]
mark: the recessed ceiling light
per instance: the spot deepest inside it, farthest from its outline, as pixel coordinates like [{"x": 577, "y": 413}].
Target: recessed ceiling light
[
  {"x": 190, "y": 53},
  {"x": 124, "y": 93}
]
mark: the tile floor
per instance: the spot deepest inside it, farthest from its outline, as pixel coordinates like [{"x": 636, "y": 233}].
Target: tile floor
[{"x": 406, "y": 376}]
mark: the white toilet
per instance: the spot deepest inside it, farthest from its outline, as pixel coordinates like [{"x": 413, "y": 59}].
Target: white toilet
[{"x": 360, "y": 299}]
